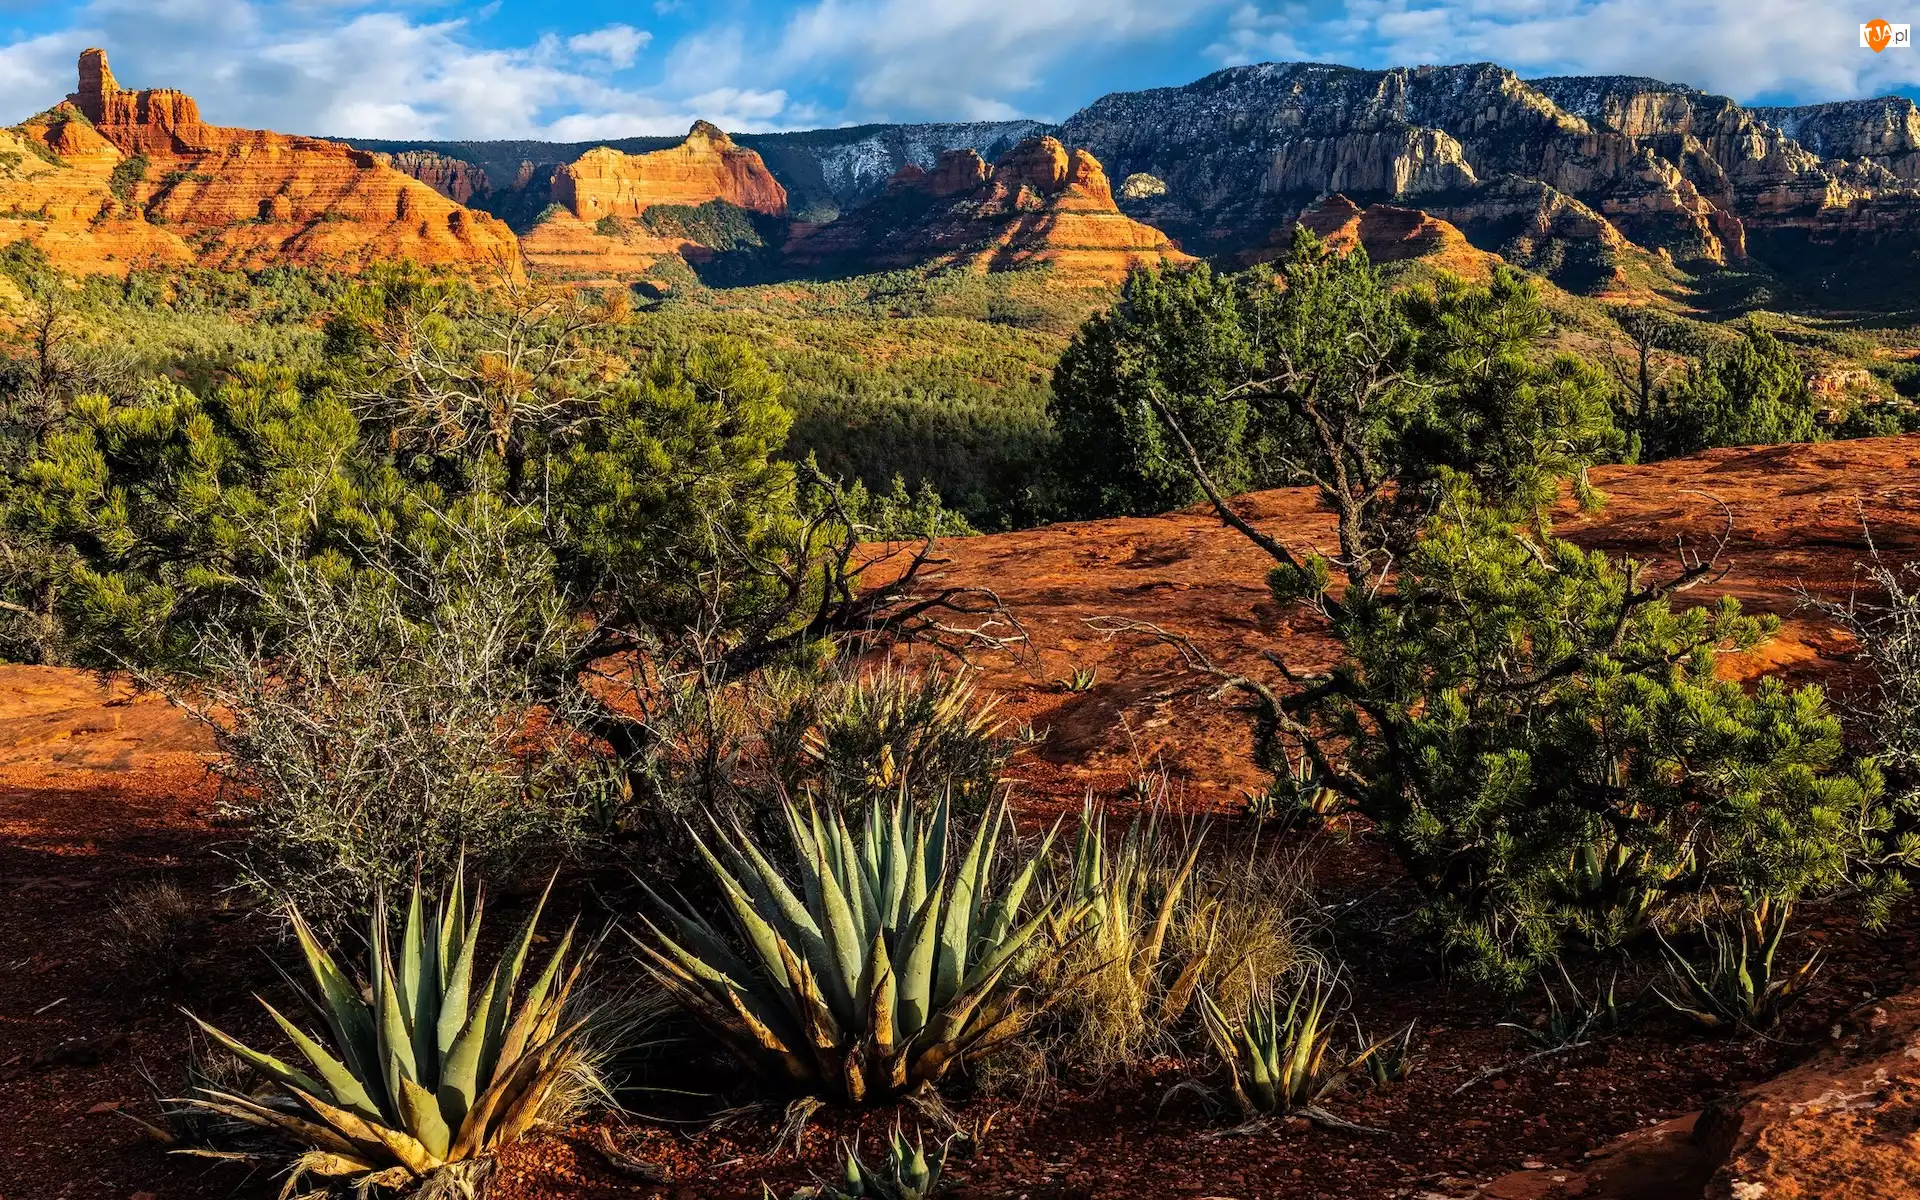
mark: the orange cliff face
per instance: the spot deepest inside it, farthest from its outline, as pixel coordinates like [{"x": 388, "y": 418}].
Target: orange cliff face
[
  {"x": 1040, "y": 204},
  {"x": 595, "y": 227},
  {"x": 66, "y": 208},
  {"x": 707, "y": 166},
  {"x": 252, "y": 198}
]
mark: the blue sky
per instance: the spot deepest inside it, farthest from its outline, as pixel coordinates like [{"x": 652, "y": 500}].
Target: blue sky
[{"x": 599, "y": 69}]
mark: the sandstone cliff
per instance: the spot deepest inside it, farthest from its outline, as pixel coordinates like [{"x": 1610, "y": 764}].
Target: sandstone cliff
[
  {"x": 706, "y": 166},
  {"x": 1669, "y": 168},
  {"x": 612, "y": 215},
  {"x": 66, "y": 208},
  {"x": 459, "y": 181},
  {"x": 252, "y": 198},
  {"x": 1038, "y": 204}
]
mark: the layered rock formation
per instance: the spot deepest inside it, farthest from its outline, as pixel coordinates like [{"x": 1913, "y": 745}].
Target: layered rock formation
[
  {"x": 1669, "y": 168},
  {"x": 1884, "y": 132},
  {"x": 604, "y": 218},
  {"x": 66, "y": 208},
  {"x": 1391, "y": 234},
  {"x": 459, "y": 181},
  {"x": 1038, "y": 204},
  {"x": 824, "y": 172},
  {"x": 604, "y": 182},
  {"x": 252, "y": 198}
]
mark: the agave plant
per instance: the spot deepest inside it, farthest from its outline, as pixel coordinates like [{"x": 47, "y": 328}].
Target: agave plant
[
  {"x": 877, "y": 971},
  {"x": 907, "y": 1173},
  {"x": 1126, "y": 984},
  {"x": 1390, "y": 1060},
  {"x": 1740, "y": 985},
  {"x": 1081, "y": 680},
  {"x": 426, "y": 1065},
  {"x": 1299, "y": 794},
  {"x": 1277, "y": 1058}
]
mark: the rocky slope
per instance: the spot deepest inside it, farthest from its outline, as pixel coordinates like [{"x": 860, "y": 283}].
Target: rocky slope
[
  {"x": 1669, "y": 168},
  {"x": 824, "y": 171},
  {"x": 66, "y": 208},
  {"x": 1884, "y": 132},
  {"x": 1037, "y": 204},
  {"x": 247, "y": 198}
]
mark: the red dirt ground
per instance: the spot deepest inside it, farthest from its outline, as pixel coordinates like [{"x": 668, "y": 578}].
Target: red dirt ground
[{"x": 102, "y": 792}]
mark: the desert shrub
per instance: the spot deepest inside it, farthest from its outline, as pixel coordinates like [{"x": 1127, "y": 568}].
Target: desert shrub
[
  {"x": 1741, "y": 984},
  {"x": 646, "y": 550},
  {"x": 1285, "y": 1056},
  {"x": 393, "y": 722},
  {"x": 1159, "y": 923},
  {"x": 430, "y": 1063},
  {"x": 150, "y": 934},
  {"x": 128, "y": 174},
  {"x": 907, "y": 1172},
  {"x": 1884, "y": 619},
  {"x": 893, "y": 731},
  {"x": 1544, "y": 743}
]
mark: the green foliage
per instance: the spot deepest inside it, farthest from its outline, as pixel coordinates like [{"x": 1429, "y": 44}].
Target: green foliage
[
  {"x": 716, "y": 224},
  {"x": 1544, "y": 742},
  {"x": 1278, "y": 1058},
  {"x": 1318, "y": 372},
  {"x": 923, "y": 735},
  {"x": 937, "y": 379},
  {"x": 1178, "y": 337},
  {"x": 881, "y": 969},
  {"x": 1754, "y": 393},
  {"x": 429, "y": 1061},
  {"x": 128, "y": 174}
]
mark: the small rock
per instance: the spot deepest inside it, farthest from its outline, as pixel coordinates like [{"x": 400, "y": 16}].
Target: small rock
[
  {"x": 1501, "y": 1085},
  {"x": 1533, "y": 1164}
]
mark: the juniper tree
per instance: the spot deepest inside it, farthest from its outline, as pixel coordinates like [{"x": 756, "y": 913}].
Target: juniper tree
[
  {"x": 1535, "y": 731},
  {"x": 1750, "y": 394}
]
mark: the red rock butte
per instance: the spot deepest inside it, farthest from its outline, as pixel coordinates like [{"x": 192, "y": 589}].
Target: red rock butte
[
  {"x": 247, "y": 198},
  {"x": 1039, "y": 204},
  {"x": 707, "y": 166}
]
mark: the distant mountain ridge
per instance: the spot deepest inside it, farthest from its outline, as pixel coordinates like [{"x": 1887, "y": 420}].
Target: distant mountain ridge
[{"x": 1599, "y": 182}]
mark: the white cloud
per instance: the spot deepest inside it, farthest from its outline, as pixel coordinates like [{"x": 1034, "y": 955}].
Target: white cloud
[
  {"x": 373, "y": 68},
  {"x": 962, "y": 59},
  {"x": 618, "y": 44},
  {"x": 37, "y": 73}
]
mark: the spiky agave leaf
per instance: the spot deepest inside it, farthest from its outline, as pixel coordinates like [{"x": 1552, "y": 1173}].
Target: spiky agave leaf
[
  {"x": 1277, "y": 1057},
  {"x": 418, "y": 1068},
  {"x": 874, "y": 968}
]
